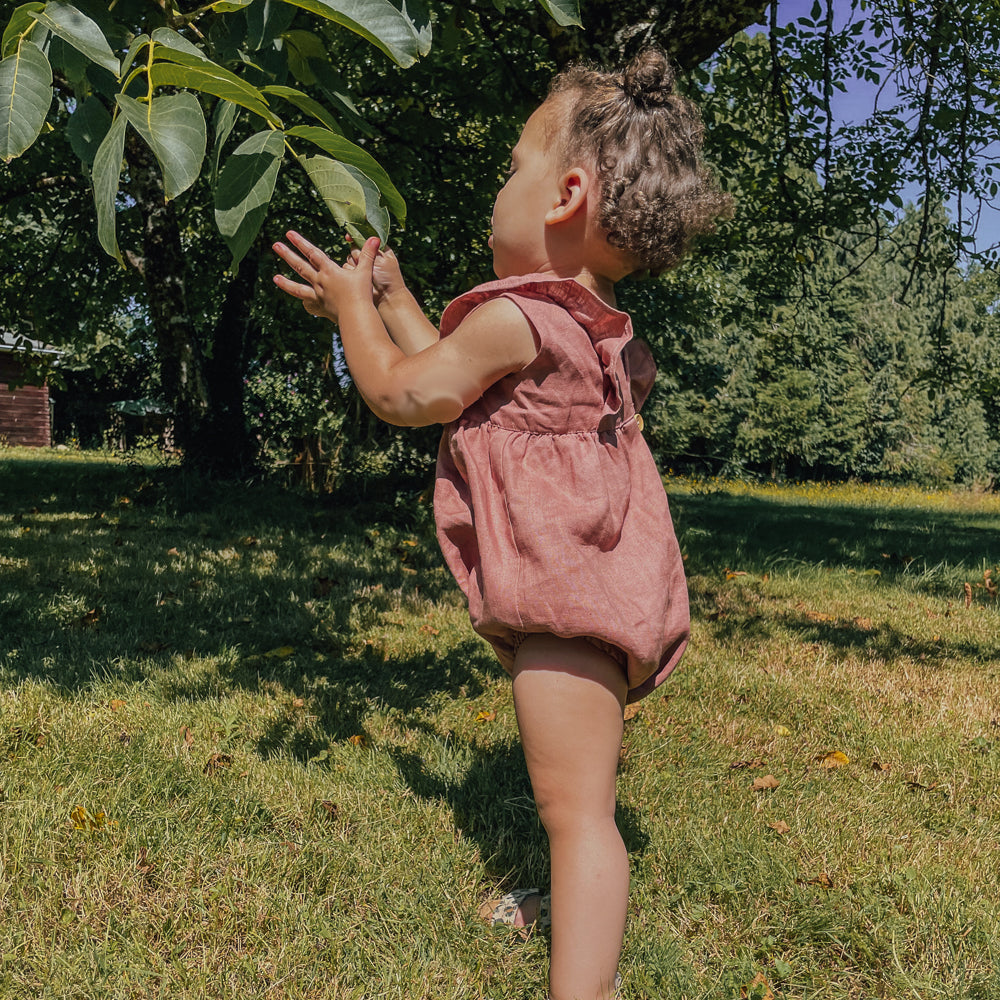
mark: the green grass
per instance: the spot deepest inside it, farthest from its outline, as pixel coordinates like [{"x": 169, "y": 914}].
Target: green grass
[{"x": 279, "y": 727}]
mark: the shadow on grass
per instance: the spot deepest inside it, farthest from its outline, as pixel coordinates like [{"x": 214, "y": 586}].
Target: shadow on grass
[
  {"x": 348, "y": 686},
  {"x": 760, "y": 535},
  {"x": 93, "y": 587},
  {"x": 493, "y": 805},
  {"x": 735, "y": 611}
]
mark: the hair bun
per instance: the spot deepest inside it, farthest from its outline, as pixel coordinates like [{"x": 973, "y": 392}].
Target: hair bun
[{"x": 649, "y": 78}]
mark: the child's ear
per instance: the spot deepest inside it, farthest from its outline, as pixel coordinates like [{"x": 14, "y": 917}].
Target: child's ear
[{"x": 573, "y": 187}]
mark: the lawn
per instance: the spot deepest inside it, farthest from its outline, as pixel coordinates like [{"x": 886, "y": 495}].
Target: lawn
[{"x": 250, "y": 747}]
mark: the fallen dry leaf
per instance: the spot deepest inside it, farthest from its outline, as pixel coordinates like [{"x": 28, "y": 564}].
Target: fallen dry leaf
[
  {"x": 89, "y": 822},
  {"x": 430, "y": 630},
  {"x": 217, "y": 762},
  {"x": 879, "y": 766},
  {"x": 485, "y": 716},
  {"x": 780, "y": 826},
  {"x": 116, "y": 703},
  {"x": 766, "y": 783},
  {"x": 143, "y": 865},
  {"x": 173, "y": 551},
  {"x": 281, "y": 653},
  {"x": 759, "y": 989},
  {"x": 822, "y": 880},
  {"x": 298, "y": 703},
  {"x": 357, "y": 740},
  {"x": 631, "y": 711},
  {"x": 968, "y": 595},
  {"x": 865, "y": 624},
  {"x": 188, "y": 737},
  {"x": 819, "y": 616},
  {"x": 833, "y": 759},
  {"x": 781, "y": 731},
  {"x": 328, "y": 810},
  {"x": 731, "y": 574},
  {"x": 738, "y": 765}
]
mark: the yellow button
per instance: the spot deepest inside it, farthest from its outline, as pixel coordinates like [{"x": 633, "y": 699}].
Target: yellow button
[{"x": 639, "y": 422}]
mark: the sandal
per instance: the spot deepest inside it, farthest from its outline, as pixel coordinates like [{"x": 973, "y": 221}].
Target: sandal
[{"x": 503, "y": 911}]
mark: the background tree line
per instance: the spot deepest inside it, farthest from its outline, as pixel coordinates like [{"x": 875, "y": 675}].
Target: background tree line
[{"x": 827, "y": 329}]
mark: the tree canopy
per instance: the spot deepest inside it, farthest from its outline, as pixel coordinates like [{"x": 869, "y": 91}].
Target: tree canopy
[{"x": 183, "y": 137}]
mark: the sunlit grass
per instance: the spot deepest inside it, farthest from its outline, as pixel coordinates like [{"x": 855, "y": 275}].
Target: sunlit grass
[{"x": 299, "y": 774}]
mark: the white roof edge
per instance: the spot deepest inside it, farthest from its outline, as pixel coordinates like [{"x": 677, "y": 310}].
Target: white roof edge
[{"x": 11, "y": 342}]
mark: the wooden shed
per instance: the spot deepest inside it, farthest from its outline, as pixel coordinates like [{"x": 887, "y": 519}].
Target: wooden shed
[{"x": 25, "y": 417}]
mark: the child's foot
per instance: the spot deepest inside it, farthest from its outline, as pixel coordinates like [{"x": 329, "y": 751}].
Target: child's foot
[{"x": 522, "y": 908}]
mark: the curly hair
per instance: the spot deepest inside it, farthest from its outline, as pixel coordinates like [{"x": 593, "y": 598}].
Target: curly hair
[{"x": 645, "y": 141}]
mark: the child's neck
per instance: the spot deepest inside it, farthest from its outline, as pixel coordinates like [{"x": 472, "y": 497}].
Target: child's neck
[{"x": 601, "y": 285}]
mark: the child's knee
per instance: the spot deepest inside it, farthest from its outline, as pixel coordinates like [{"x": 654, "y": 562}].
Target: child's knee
[{"x": 562, "y": 810}]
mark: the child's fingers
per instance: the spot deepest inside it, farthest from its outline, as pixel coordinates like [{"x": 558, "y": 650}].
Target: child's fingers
[
  {"x": 305, "y": 292},
  {"x": 294, "y": 261},
  {"x": 313, "y": 254},
  {"x": 366, "y": 259},
  {"x": 371, "y": 248}
]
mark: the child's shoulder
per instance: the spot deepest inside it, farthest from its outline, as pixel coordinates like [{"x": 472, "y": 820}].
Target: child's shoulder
[{"x": 568, "y": 294}]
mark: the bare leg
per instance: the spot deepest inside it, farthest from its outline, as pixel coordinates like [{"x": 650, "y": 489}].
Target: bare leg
[{"x": 568, "y": 696}]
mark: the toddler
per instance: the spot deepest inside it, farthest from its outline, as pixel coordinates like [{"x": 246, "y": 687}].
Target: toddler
[{"x": 549, "y": 508}]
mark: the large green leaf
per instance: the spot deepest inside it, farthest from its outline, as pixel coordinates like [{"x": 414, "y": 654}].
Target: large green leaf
[
  {"x": 564, "y": 12},
  {"x": 87, "y": 127},
  {"x": 266, "y": 20},
  {"x": 245, "y": 188},
  {"x": 174, "y": 129},
  {"x": 22, "y": 19},
  {"x": 133, "y": 50},
  {"x": 416, "y": 12},
  {"x": 106, "y": 175},
  {"x": 305, "y": 103},
  {"x": 343, "y": 193},
  {"x": 375, "y": 20},
  {"x": 375, "y": 212},
  {"x": 338, "y": 94},
  {"x": 347, "y": 152},
  {"x": 25, "y": 96},
  {"x": 223, "y": 121},
  {"x": 300, "y": 47},
  {"x": 208, "y": 77},
  {"x": 79, "y": 31},
  {"x": 170, "y": 39}
]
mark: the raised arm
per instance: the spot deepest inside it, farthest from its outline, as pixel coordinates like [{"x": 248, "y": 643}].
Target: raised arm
[
  {"x": 433, "y": 385},
  {"x": 408, "y": 325}
]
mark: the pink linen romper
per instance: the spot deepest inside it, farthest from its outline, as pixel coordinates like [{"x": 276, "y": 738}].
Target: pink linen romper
[{"x": 550, "y": 511}]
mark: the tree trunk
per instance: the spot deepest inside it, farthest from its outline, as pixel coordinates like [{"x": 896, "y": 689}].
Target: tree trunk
[
  {"x": 221, "y": 443},
  {"x": 163, "y": 270},
  {"x": 204, "y": 389}
]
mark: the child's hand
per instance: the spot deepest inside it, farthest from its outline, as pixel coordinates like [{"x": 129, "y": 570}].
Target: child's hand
[
  {"x": 330, "y": 288},
  {"x": 387, "y": 279}
]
